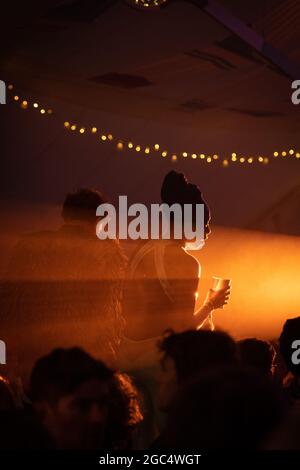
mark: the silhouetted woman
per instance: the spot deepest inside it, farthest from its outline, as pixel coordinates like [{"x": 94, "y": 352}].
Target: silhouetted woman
[{"x": 163, "y": 280}]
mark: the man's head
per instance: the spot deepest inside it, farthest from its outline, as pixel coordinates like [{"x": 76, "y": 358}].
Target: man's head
[
  {"x": 81, "y": 205},
  {"x": 289, "y": 334},
  {"x": 257, "y": 353},
  {"x": 185, "y": 355},
  {"x": 71, "y": 393}
]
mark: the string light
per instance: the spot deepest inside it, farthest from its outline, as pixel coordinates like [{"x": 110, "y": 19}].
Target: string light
[{"x": 291, "y": 152}]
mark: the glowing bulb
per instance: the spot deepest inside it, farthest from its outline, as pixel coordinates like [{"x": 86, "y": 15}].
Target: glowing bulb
[
  {"x": 120, "y": 145},
  {"x": 276, "y": 154},
  {"x": 234, "y": 158},
  {"x": 110, "y": 137},
  {"x": 73, "y": 127},
  {"x": 202, "y": 156},
  {"x": 174, "y": 158},
  {"x": 156, "y": 146},
  {"x": 164, "y": 154},
  {"x": 194, "y": 155},
  {"x": 147, "y": 150},
  {"x": 42, "y": 111},
  {"x": 291, "y": 152},
  {"x": 35, "y": 105},
  {"x": 138, "y": 148},
  {"x": 10, "y": 87},
  {"x": 215, "y": 157},
  {"x": 94, "y": 130},
  {"x": 24, "y": 103},
  {"x": 82, "y": 130},
  {"x": 297, "y": 155},
  {"x": 260, "y": 159},
  {"x": 184, "y": 154},
  {"x": 233, "y": 155},
  {"x": 266, "y": 160},
  {"x": 16, "y": 98},
  {"x": 66, "y": 124},
  {"x": 104, "y": 138},
  {"x": 250, "y": 160},
  {"x": 225, "y": 162},
  {"x": 242, "y": 160},
  {"x": 49, "y": 111},
  {"x": 130, "y": 145},
  {"x": 283, "y": 154},
  {"x": 209, "y": 159}
]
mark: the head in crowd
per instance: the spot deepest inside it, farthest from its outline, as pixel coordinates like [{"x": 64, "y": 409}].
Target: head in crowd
[
  {"x": 184, "y": 355},
  {"x": 257, "y": 353},
  {"x": 81, "y": 402},
  {"x": 177, "y": 190},
  {"x": 289, "y": 334},
  {"x": 231, "y": 407},
  {"x": 80, "y": 206}
]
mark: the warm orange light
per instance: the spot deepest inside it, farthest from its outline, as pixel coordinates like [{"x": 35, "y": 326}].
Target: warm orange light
[
  {"x": 42, "y": 111},
  {"x": 73, "y": 127},
  {"x": 147, "y": 150},
  {"x": 35, "y": 105},
  {"x": 202, "y": 156},
  {"x": 209, "y": 159},
  {"x": 67, "y": 124},
  {"x": 10, "y": 86},
  {"x": 49, "y": 111},
  {"x": 283, "y": 154},
  {"x": 250, "y": 160},
  {"x": 164, "y": 154},
  {"x": 82, "y": 130},
  {"x": 215, "y": 156},
  {"x": 156, "y": 146},
  {"x": 194, "y": 155},
  {"x": 242, "y": 160},
  {"x": 110, "y": 137},
  {"x": 276, "y": 154},
  {"x": 104, "y": 138},
  {"x": 130, "y": 145},
  {"x": 291, "y": 152},
  {"x": 94, "y": 130},
  {"x": 120, "y": 145},
  {"x": 138, "y": 148},
  {"x": 225, "y": 163},
  {"x": 260, "y": 159},
  {"x": 184, "y": 154},
  {"x": 16, "y": 98},
  {"x": 174, "y": 158}
]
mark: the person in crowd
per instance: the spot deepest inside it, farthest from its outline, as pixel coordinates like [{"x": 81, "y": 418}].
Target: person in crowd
[
  {"x": 186, "y": 355},
  {"x": 162, "y": 280},
  {"x": 257, "y": 353},
  {"x": 290, "y": 333},
  {"x": 82, "y": 403},
  {"x": 228, "y": 408},
  {"x": 64, "y": 287}
]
